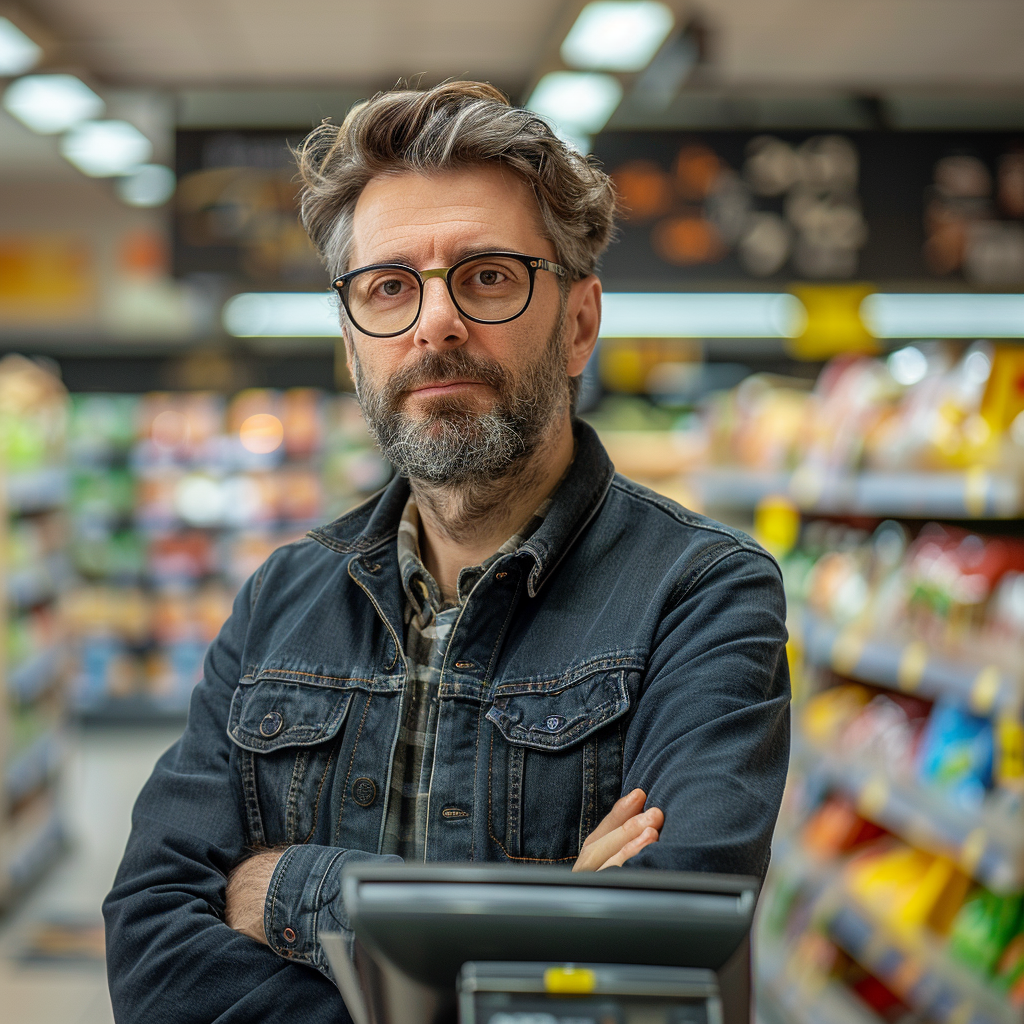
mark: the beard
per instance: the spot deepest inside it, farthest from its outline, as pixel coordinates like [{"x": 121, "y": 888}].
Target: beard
[{"x": 452, "y": 444}]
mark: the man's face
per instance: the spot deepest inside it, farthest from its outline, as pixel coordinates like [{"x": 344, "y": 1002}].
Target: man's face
[{"x": 451, "y": 400}]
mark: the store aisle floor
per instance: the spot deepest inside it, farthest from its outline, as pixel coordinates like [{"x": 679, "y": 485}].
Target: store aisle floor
[{"x": 106, "y": 770}]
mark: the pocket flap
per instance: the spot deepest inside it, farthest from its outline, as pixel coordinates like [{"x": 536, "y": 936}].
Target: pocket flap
[
  {"x": 274, "y": 713},
  {"x": 553, "y": 717}
]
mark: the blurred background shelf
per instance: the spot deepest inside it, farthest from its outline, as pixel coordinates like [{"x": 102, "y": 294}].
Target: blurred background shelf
[
  {"x": 984, "y": 843},
  {"x": 907, "y": 665},
  {"x": 926, "y": 979},
  {"x": 908, "y": 495}
]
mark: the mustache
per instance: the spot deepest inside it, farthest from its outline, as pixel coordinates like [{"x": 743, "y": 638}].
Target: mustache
[{"x": 442, "y": 367}]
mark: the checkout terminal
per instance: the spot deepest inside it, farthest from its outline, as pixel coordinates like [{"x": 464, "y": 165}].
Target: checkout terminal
[{"x": 487, "y": 944}]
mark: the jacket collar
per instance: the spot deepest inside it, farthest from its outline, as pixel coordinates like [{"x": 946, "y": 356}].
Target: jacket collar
[{"x": 573, "y": 505}]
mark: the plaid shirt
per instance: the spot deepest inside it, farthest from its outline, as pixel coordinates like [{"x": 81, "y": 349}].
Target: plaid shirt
[{"x": 428, "y": 624}]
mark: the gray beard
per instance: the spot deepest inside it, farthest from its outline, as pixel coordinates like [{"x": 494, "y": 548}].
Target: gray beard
[{"x": 452, "y": 446}]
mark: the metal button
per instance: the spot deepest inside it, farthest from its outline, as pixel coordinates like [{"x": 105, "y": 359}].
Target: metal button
[
  {"x": 272, "y": 724},
  {"x": 554, "y": 722},
  {"x": 289, "y": 935},
  {"x": 364, "y": 791},
  {"x": 500, "y": 575},
  {"x": 464, "y": 664}
]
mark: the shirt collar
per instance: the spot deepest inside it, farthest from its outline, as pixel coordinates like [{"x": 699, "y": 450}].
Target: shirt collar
[{"x": 420, "y": 586}]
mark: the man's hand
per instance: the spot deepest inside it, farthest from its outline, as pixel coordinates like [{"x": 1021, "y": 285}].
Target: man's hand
[
  {"x": 246, "y": 894},
  {"x": 625, "y": 831}
]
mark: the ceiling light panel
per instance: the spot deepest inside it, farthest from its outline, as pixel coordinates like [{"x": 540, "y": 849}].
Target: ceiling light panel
[
  {"x": 103, "y": 149},
  {"x": 18, "y": 53},
  {"x": 51, "y": 103},
  {"x": 617, "y": 36},
  {"x": 578, "y": 101}
]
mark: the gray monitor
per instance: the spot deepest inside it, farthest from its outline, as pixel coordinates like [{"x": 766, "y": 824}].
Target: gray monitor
[{"x": 416, "y": 926}]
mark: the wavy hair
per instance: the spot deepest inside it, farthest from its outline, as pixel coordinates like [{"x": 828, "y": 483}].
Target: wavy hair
[{"x": 451, "y": 126}]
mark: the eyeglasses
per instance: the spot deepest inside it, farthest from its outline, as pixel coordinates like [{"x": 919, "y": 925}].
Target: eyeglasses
[{"x": 385, "y": 299}]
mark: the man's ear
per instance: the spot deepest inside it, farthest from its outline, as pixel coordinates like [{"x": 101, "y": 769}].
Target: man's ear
[{"x": 583, "y": 323}]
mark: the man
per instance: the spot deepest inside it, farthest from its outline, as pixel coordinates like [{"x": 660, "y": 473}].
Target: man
[{"x": 510, "y": 654}]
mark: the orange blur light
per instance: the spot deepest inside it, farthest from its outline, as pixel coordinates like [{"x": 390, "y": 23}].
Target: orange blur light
[{"x": 261, "y": 433}]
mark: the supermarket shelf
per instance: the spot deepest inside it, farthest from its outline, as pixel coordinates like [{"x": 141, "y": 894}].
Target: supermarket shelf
[
  {"x": 988, "y": 847},
  {"x": 921, "y": 975},
  {"x": 809, "y": 999},
  {"x": 137, "y": 709},
  {"x": 30, "y": 769},
  {"x": 28, "y": 853},
  {"x": 909, "y": 666},
  {"x": 972, "y": 495},
  {"x": 38, "y": 490},
  {"x": 35, "y": 675},
  {"x": 31, "y": 586}
]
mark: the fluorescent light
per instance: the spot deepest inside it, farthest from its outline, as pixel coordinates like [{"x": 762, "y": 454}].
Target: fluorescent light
[
  {"x": 579, "y": 102},
  {"x": 148, "y": 185},
  {"x": 701, "y": 315},
  {"x": 944, "y": 315},
  {"x": 17, "y": 52},
  {"x": 612, "y": 36},
  {"x": 51, "y": 103},
  {"x": 103, "y": 149},
  {"x": 281, "y": 315}
]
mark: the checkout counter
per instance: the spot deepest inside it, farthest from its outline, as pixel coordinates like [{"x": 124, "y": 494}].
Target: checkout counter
[{"x": 486, "y": 944}]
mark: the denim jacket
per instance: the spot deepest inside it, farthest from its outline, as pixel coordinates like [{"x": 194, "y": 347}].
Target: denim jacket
[{"x": 628, "y": 643}]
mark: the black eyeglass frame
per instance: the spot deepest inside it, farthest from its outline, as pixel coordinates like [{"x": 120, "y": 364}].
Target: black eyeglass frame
[{"x": 532, "y": 264}]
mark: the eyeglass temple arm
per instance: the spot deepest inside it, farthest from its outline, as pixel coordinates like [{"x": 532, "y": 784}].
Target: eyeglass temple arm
[{"x": 544, "y": 264}]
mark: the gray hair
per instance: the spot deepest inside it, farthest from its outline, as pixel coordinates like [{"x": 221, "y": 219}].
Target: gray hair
[{"x": 454, "y": 125}]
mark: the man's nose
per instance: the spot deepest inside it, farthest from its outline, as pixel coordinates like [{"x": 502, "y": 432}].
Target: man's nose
[{"x": 439, "y": 325}]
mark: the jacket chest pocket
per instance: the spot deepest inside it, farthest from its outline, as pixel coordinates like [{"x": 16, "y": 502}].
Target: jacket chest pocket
[
  {"x": 555, "y": 763},
  {"x": 288, "y": 735}
]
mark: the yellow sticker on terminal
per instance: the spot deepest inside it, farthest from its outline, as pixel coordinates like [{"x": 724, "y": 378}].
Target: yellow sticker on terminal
[
  {"x": 913, "y": 662},
  {"x": 578, "y": 980}
]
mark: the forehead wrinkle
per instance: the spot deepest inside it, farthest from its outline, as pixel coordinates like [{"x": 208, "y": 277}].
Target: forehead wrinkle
[{"x": 409, "y": 215}]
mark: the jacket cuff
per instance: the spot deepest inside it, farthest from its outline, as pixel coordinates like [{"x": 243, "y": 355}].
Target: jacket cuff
[{"x": 305, "y": 896}]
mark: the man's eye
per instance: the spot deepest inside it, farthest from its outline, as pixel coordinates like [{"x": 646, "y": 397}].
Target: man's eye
[
  {"x": 489, "y": 277},
  {"x": 390, "y": 288}
]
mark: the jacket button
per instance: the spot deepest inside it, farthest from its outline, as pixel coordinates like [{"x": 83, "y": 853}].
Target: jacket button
[
  {"x": 364, "y": 791},
  {"x": 272, "y": 724},
  {"x": 554, "y": 722},
  {"x": 463, "y": 664},
  {"x": 288, "y": 934}
]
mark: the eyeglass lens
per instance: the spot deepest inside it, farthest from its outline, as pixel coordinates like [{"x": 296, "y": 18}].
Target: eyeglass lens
[{"x": 387, "y": 301}]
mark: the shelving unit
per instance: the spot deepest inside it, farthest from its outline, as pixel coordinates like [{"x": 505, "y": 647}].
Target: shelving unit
[
  {"x": 986, "y": 842},
  {"x": 177, "y": 499},
  {"x": 33, "y": 655},
  {"x": 975, "y": 494},
  {"x": 908, "y": 665}
]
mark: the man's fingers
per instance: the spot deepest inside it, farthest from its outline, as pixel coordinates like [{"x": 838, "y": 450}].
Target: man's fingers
[
  {"x": 622, "y": 810},
  {"x": 633, "y": 847},
  {"x": 594, "y": 854}
]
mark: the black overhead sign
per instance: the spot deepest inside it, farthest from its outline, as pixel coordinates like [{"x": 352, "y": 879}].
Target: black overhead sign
[{"x": 704, "y": 209}]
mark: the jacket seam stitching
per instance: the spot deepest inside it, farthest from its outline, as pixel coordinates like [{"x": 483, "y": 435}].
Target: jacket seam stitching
[
  {"x": 687, "y": 520},
  {"x": 351, "y": 764}
]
